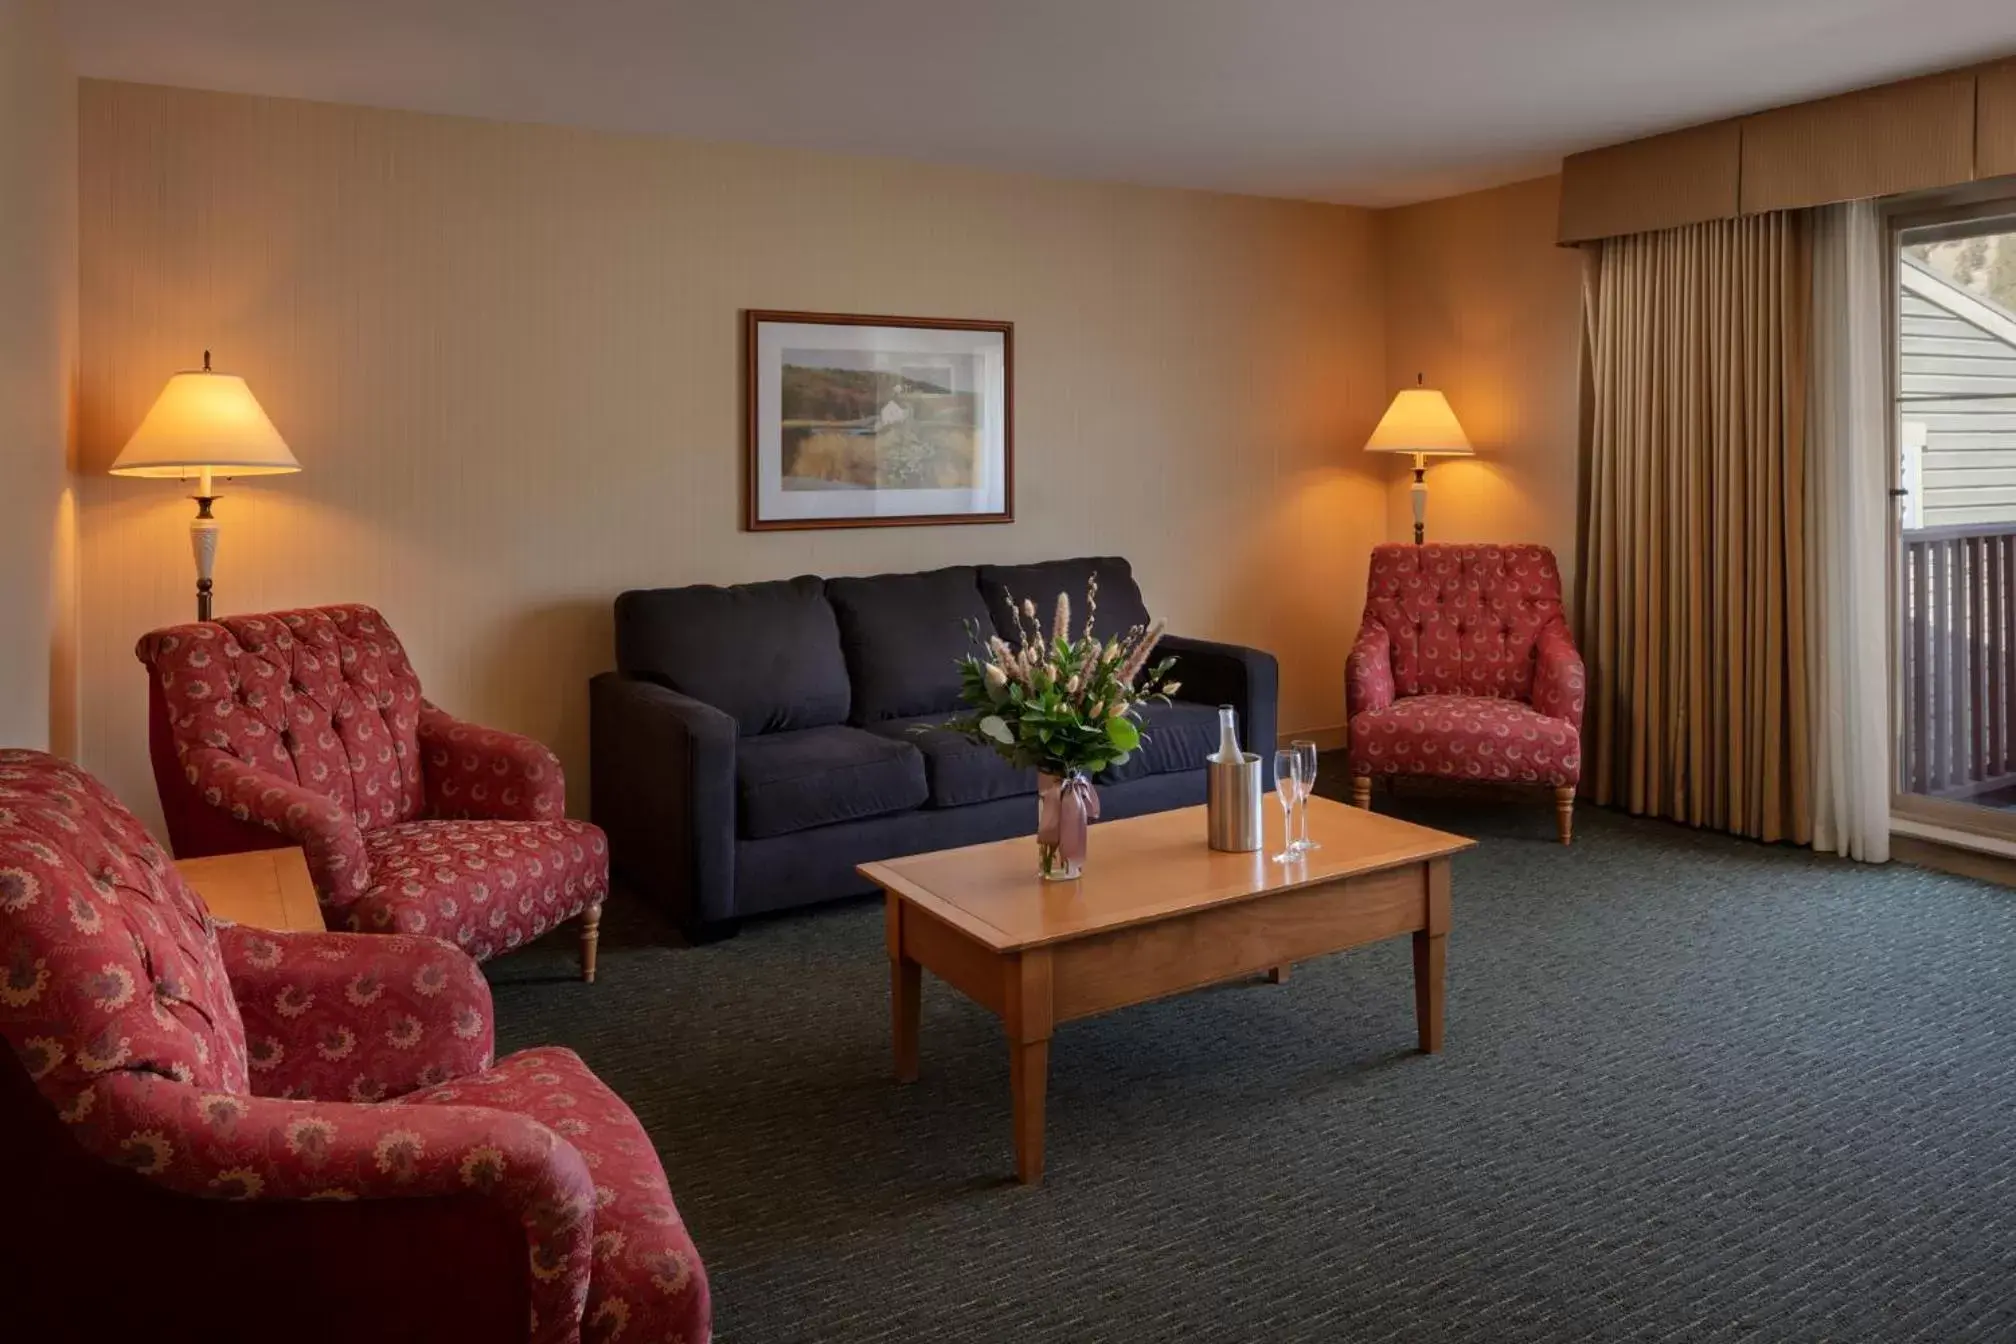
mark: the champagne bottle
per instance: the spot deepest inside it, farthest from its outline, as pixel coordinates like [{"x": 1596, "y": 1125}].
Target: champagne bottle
[{"x": 1228, "y": 736}]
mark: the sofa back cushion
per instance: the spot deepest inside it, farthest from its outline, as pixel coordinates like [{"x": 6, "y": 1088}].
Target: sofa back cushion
[
  {"x": 767, "y": 654},
  {"x": 1120, "y": 606},
  {"x": 107, "y": 960},
  {"x": 323, "y": 697},
  {"x": 1463, "y": 619},
  {"x": 902, "y": 635}
]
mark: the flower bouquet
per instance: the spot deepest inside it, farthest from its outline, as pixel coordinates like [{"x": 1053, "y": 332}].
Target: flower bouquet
[{"x": 1067, "y": 707}]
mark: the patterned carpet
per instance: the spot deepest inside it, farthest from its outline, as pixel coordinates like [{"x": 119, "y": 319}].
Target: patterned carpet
[{"x": 1694, "y": 1089}]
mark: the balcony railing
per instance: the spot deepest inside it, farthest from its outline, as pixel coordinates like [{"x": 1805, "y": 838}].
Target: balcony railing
[{"x": 1959, "y": 660}]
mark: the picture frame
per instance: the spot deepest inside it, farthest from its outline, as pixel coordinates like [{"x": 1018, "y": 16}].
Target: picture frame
[{"x": 853, "y": 420}]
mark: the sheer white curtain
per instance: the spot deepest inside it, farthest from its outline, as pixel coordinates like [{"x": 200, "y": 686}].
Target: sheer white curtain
[{"x": 1848, "y": 534}]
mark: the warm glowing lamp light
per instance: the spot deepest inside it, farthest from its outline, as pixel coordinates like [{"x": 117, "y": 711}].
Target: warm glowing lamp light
[
  {"x": 205, "y": 424},
  {"x": 1420, "y": 422}
]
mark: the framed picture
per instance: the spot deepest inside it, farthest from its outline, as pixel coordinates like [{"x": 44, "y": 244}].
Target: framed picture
[{"x": 878, "y": 421}]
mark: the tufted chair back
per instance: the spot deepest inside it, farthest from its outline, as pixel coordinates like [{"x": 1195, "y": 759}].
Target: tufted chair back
[
  {"x": 322, "y": 697},
  {"x": 107, "y": 960},
  {"x": 1463, "y": 618}
]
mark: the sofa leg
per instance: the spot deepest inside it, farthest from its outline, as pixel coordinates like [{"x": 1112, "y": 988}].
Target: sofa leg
[
  {"x": 1564, "y": 814},
  {"x": 1361, "y": 791},
  {"x": 591, "y": 938}
]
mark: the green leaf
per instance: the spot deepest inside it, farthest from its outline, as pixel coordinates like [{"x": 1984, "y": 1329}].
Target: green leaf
[
  {"x": 1123, "y": 733},
  {"x": 997, "y": 728}
]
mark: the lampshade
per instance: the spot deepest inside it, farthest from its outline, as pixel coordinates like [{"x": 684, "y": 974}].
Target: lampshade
[
  {"x": 1419, "y": 421},
  {"x": 205, "y": 419}
]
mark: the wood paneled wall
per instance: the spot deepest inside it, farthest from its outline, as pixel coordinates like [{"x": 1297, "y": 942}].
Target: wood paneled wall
[
  {"x": 1938, "y": 131},
  {"x": 508, "y": 359}
]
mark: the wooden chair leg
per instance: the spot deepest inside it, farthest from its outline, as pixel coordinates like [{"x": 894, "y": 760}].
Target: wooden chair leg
[
  {"x": 591, "y": 936},
  {"x": 1361, "y": 791},
  {"x": 1564, "y": 814}
]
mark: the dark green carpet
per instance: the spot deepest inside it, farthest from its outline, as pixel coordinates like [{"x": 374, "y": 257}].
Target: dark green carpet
[{"x": 1693, "y": 1088}]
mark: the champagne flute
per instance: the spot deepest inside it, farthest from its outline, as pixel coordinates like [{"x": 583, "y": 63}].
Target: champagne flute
[
  {"x": 1288, "y": 788},
  {"x": 1305, "y": 752}
]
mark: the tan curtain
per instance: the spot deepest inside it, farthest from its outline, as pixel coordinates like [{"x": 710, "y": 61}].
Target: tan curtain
[{"x": 1693, "y": 586}]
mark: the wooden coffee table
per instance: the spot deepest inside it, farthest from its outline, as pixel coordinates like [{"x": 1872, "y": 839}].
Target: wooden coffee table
[{"x": 1156, "y": 913}]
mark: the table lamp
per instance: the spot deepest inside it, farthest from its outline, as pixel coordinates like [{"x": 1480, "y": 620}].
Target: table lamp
[
  {"x": 1420, "y": 422},
  {"x": 205, "y": 424}
]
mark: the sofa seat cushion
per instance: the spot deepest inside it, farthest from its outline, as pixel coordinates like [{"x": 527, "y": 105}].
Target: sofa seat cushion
[
  {"x": 1174, "y": 737},
  {"x": 1466, "y": 737},
  {"x": 767, "y": 654},
  {"x": 957, "y": 770},
  {"x": 646, "y": 1280},
  {"x": 787, "y": 782},
  {"x": 903, "y": 635},
  {"x": 485, "y": 886}
]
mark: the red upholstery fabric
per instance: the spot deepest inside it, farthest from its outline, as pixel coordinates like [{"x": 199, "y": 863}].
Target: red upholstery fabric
[
  {"x": 1463, "y": 620},
  {"x": 1465, "y": 737},
  {"x": 346, "y": 1017},
  {"x": 309, "y": 726},
  {"x": 486, "y": 886},
  {"x": 129, "y": 1013},
  {"x": 1464, "y": 667},
  {"x": 648, "y": 1282}
]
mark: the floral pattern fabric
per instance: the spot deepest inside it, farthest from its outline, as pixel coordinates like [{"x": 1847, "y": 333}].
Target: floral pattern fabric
[
  {"x": 1463, "y": 620},
  {"x": 311, "y": 724},
  {"x": 473, "y": 772},
  {"x": 648, "y": 1283},
  {"x": 1466, "y": 737},
  {"x": 354, "y": 1017},
  {"x": 130, "y": 1008},
  {"x": 486, "y": 886}
]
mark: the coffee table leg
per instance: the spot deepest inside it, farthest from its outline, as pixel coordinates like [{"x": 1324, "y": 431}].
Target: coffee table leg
[
  {"x": 1029, "y": 1016},
  {"x": 1279, "y": 975},
  {"x": 905, "y": 993},
  {"x": 1428, "y": 952},
  {"x": 1028, "y": 1077}
]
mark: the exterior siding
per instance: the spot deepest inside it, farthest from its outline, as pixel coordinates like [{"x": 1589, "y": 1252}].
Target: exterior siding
[{"x": 1957, "y": 378}]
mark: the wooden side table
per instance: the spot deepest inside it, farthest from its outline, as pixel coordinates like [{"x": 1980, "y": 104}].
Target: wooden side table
[{"x": 264, "y": 888}]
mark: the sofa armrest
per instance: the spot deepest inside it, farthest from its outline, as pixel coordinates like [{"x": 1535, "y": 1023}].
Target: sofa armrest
[
  {"x": 486, "y": 774},
  {"x": 662, "y": 787},
  {"x": 356, "y": 1016},
  {"x": 318, "y": 823},
  {"x": 1249, "y": 680},
  {"x": 264, "y": 1150},
  {"x": 1559, "y": 683},
  {"x": 1368, "y": 672}
]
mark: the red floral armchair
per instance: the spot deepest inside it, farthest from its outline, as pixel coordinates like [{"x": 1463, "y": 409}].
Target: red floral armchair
[
  {"x": 308, "y": 728},
  {"x": 309, "y": 1123},
  {"x": 1464, "y": 668}
]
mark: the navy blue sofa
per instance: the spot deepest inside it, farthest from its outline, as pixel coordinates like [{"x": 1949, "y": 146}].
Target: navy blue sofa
[{"x": 756, "y": 742}]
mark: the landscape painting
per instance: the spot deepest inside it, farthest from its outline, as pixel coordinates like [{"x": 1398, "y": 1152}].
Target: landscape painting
[{"x": 861, "y": 422}]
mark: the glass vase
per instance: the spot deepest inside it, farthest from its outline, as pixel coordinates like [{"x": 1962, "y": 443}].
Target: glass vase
[{"x": 1065, "y": 805}]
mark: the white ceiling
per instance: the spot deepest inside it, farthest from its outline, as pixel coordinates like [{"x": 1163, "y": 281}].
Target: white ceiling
[{"x": 1336, "y": 100}]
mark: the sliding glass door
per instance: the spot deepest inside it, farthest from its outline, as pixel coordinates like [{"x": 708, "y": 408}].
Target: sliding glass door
[{"x": 1953, "y": 382}]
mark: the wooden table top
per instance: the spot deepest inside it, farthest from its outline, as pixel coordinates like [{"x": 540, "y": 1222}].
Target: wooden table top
[
  {"x": 1144, "y": 868},
  {"x": 263, "y": 888}
]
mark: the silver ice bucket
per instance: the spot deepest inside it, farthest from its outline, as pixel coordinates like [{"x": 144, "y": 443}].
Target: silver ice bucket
[{"x": 1232, "y": 803}]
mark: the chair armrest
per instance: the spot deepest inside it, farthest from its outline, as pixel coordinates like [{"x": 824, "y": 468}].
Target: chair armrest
[
  {"x": 356, "y": 1016},
  {"x": 1209, "y": 673},
  {"x": 314, "y": 821},
  {"x": 1559, "y": 683},
  {"x": 485, "y": 774},
  {"x": 1368, "y": 672},
  {"x": 662, "y": 787},
  {"x": 266, "y": 1150}
]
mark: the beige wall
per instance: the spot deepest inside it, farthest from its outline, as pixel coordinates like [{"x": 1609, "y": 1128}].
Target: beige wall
[
  {"x": 507, "y": 358},
  {"x": 38, "y": 298},
  {"x": 1481, "y": 300}
]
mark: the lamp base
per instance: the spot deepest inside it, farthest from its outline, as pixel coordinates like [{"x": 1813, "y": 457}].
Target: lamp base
[{"x": 203, "y": 543}]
